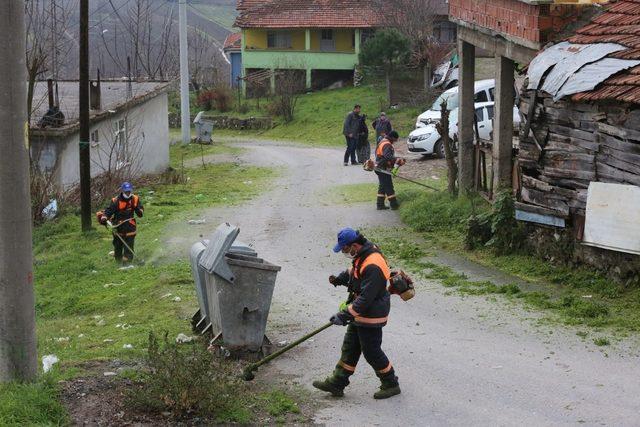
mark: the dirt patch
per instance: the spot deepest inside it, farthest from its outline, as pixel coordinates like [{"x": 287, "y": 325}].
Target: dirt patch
[
  {"x": 99, "y": 400},
  {"x": 420, "y": 167}
]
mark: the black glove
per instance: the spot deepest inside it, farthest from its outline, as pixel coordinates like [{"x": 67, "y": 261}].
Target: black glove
[
  {"x": 139, "y": 212},
  {"x": 341, "y": 280},
  {"x": 341, "y": 318}
]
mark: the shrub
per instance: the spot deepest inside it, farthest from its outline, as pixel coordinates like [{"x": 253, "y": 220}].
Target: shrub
[
  {"x": 218, "y": 98},
  {"x": 184, "y": 379}
]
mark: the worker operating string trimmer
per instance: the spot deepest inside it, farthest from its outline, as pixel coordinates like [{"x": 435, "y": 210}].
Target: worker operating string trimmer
[
  {"x": 121, "y": 212},
  {"x": 386, "y": 167}
]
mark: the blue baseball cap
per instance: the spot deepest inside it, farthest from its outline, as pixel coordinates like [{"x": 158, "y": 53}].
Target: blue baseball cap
[
  {"x": 126, "y": 187},
  {"x": 346, "y": 236}
]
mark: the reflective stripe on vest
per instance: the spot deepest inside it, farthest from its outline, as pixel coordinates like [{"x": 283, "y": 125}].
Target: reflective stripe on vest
[
  {"x": 381, "y": 146},
  {"x": 375, "y": 258}
]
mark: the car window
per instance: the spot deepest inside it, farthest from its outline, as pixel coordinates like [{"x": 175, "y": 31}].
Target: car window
[
  {"x": 450, "y": 97},
  {"x": 489, "y": 112},
  {"x": 481, "y": 96},
  {"x": 479, "y": 115},
  {"x": 492, "y": 94}
]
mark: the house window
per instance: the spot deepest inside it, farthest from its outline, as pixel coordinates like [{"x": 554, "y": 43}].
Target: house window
[
  {"x": 120, "y": 141},
  {"x": 327, "y": 41},
  {"x": 279, "y": 40},
  {"x": 95, "y": 138}
]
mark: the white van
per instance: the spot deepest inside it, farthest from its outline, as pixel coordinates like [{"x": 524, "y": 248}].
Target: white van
[{"x": 484, "y": 91}]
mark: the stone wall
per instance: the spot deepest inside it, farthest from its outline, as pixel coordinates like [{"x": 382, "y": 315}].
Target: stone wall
[{"x": 227, "y": 122}]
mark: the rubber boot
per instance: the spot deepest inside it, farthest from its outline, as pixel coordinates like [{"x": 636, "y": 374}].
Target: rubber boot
[
  {"x": 394, "y": 203},
  {"x": 389, "y": 385},
  {"x": 336, "y": 383},
  {"x": 380, "y": 203}
]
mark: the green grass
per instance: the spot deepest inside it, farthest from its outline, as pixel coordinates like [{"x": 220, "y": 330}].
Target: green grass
[
  {"x": 87, "y": 309},
  {"x": 319, "y": 116},
  {"x": 181, "y": 152},
  {"x": 31, "y": 404},
  {"x": 573, "y": 295}
]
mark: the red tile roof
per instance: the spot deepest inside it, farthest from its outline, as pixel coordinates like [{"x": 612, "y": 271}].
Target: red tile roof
[
  {"x": 308, "y": 14},
  {"x": 618, "y": 23},
  {"x": 233, "y": 41}
]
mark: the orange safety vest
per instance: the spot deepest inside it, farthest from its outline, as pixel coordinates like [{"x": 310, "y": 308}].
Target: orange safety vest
[
  {"x": 381, "y": 146},
  {"x": 377, "y": 259},
  {"x": 131, "y": 205}
]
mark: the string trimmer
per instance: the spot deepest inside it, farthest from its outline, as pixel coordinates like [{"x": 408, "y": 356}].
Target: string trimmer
[
  {"x": 369, "y": 166},
  {"x": 247, "y": 373},
  {"x": 112, "y": 228}
]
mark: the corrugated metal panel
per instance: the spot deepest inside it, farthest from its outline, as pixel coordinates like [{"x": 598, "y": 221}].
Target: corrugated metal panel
[
  {"x": 576, "y": 56},
  {"x": 545, "y": 60},
  {"x": 612, "y": 217},
  {"x": 591, "y": 75}
]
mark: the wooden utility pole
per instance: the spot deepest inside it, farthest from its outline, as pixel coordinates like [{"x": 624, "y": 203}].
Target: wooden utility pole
[
  {"x": 18, "y": 356},
  {"x": 83, "y": 94}
]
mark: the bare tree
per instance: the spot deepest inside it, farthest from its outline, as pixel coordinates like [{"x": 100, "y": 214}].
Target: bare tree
[
  {"x": 203, "y": 60},
  {"x": 416, "y": 20},
  {"x": 144, "y": 35},
  {"x": 46, "y": 22}
]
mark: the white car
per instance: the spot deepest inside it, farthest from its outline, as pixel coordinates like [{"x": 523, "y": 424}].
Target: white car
[
  {"x": 426, "y": 140},
  {"x": 484, "y": 92}
]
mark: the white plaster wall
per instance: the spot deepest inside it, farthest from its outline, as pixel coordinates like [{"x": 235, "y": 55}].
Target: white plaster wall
[{"x": 148, "y": 132}]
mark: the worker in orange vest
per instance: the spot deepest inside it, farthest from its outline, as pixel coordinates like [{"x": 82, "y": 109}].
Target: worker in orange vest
[
  {"x": 364, "y": 313},
  {"x": 386, "y": 160},
  {"x": 119, "y": 216}
]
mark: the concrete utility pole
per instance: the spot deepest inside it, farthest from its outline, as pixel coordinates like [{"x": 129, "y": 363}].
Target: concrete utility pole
[
  {"x": 83, "y": 94},
  {"x": 18, "y": 356},
  {"x": 184, "y": 75}
]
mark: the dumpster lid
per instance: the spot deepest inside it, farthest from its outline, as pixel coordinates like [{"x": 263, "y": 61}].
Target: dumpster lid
[{"x": 212, "y": 259}]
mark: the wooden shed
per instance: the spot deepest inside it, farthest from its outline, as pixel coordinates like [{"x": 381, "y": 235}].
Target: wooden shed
[{"x": 581, "y": 109}]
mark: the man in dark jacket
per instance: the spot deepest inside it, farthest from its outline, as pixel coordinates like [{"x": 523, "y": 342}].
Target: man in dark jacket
[
  {"x": 364, "y": 149},
  {"x": 365, "y": 312},
  {"x": 351, "y": 129},
  {"x": 387, "y": 161},
  {"x": 382, "y": 126},
  {"x": 119, "y": 216}
]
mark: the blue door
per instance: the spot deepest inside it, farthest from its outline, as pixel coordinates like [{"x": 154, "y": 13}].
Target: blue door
[{"x": 236, "y": 68}]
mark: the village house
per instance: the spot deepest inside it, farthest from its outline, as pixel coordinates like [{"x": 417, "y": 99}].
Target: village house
[
  {"x": 129, "y": 129},
  {"x": 319, "y": 39},
  {"x": 579, "y": 165}
]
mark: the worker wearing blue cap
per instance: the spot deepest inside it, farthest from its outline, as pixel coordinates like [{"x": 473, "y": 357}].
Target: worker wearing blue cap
[
  {"x": 365, "y": 313},
  {"x": 119, "y": 216}
]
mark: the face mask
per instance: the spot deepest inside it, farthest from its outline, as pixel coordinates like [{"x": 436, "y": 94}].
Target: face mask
[
  {"x": 126, "y": 196},
  {"x": 351, "y": 254}
]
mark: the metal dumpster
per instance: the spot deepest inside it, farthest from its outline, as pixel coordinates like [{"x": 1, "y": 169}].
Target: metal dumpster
[
  {"x": 238, "y": 287},
  {"x": 200, "y": 319}
]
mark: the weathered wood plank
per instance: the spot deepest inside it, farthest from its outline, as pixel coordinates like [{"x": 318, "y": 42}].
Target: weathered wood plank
[
  {"x": 574, "y": 133},
  {"x": 619, "y": 164},
  {"x": 583, "y": 143},
  {"x": 607, "y": 173},
  {"x": 551, "y": 190},
  {"x": 620, "y": 132},
  {"x": 542, "y": 198},
  {"x": 585, "y": 174},
  {"x": 566, "y": 183},
  {"x": 618, "y": 144},
  {"x": 554, "y": 144},
  {"x": 539, "y": 210},
  {"x": 621, "y": 155}
]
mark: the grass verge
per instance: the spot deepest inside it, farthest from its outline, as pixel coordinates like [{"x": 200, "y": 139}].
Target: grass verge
[
  {"x": 319, "y": 116},
  {"x": 87, "y": 309},
  {"x": 31, "y": 404},
  {"x": 579, "y": 296}
]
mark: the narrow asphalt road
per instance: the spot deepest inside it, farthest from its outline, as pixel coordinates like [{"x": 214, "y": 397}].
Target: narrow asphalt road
[{"x": 460, "y": 360}]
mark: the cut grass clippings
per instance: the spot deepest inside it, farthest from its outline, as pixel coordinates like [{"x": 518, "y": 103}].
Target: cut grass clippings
[
  {"x": 87, "y": 309},
  {"x": 580, "y": 295}
]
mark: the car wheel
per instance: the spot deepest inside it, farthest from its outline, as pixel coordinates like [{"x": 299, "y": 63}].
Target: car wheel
[{"x": 438, "y": 149}]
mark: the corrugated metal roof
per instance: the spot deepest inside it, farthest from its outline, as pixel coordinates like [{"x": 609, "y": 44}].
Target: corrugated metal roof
[{"x": 618, "y": 23}]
